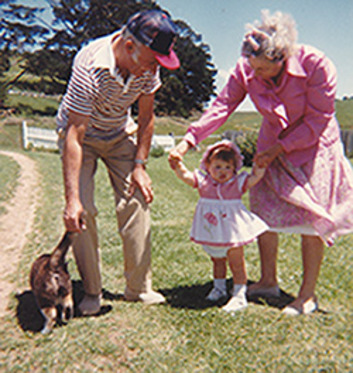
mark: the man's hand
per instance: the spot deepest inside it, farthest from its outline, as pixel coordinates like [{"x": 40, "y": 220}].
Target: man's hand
[
  {"x": 75, "y": 217},
  {"x": 141, "y": 180}
]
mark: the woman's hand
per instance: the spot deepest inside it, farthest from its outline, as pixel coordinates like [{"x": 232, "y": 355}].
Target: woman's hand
[
  {"x": 176, "y": 154},
  {"x": 266, "y": 157}
]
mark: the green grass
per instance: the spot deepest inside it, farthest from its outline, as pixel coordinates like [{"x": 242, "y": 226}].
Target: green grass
[
  {"x": 344, "y": 111},
  {"x": 29, "y": 105},
  {"x": 9, "y": 172},
  {"x": 184, "y": 335}
]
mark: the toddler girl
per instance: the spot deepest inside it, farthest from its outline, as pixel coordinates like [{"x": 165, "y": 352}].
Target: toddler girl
[{"x": 222, "y": 224}]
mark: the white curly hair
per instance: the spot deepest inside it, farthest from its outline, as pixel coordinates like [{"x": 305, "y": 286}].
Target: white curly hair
[{"x": 274, "y": 37}]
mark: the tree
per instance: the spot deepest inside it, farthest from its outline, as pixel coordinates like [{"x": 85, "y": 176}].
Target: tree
[
  {"x": 189, "y": 87},
  {"x": 76, "y": 22},
  {"x": 19, "y": 32}
]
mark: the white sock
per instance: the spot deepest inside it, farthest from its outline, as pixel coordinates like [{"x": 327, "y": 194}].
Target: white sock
[
  {"x": 238, "y": 289},
  {"x": 220, "y": 284}
]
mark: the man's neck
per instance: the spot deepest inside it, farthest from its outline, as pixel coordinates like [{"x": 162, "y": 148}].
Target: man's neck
[{"x": 117, "y": 45}]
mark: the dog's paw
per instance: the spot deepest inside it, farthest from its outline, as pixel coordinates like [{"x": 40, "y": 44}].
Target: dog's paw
[
  {"x": 47, "y": 329},
  {"x": 67, "y": 314}
]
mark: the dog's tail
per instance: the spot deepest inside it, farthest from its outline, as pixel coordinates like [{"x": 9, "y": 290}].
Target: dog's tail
[{"x": 58, "y": 255}]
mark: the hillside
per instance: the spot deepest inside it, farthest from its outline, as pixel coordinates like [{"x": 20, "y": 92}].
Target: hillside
[
  {"x": 36, "y": 107},
  {"x": 344, "y": 113}
]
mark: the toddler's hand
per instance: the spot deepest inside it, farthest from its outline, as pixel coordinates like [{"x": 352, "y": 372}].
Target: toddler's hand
[
  {"x": 177, "y": 153},
  {"x": 174, "y": 159}
]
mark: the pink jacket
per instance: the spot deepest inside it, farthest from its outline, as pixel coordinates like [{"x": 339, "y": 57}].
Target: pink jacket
[
  {"x": 307, "y": 91},
  {"x": 209, "y": 188}
]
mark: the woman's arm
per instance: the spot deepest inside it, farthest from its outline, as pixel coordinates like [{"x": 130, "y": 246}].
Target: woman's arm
[{"x": 222, "y": 107}]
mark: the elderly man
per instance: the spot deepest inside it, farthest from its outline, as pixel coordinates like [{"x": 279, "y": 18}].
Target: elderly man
[{"x": 94, "y": 121}]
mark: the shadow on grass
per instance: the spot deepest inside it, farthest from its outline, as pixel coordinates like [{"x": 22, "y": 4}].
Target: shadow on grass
[
  {"x": 30, "y": 318},
  {"x": 187, "y": 297},
  {"x": 194, "y": 297},
  {"x": 277, "y": 302}
]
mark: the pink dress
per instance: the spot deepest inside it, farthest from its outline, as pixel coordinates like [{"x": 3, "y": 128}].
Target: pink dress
[
  {"x": 221, "y": 219},
  {"x": 311, "y": 183}
]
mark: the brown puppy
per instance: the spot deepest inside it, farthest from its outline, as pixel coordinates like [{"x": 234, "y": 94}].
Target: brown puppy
[{"x": 51, "y": 284}]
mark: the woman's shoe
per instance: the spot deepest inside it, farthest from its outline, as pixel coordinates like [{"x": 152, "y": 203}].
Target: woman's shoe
[
  {"x": 308, "y": 307},
  {"x": 90, "y": 305}
]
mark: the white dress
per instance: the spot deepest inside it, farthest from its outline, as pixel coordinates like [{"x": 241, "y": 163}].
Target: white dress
[{"x": 221, "y": 219}]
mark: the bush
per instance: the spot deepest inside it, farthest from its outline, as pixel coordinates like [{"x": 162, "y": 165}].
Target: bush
[
  {"x": 157, "y": 151},
  {"x": 246, "y": 141}
]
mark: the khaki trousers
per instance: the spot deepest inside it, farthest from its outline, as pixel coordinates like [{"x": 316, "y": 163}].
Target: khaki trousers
[{"x": 133, "y": 216}]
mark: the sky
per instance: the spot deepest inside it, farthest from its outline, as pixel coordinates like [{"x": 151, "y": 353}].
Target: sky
[{"x": 324, "y": 24}]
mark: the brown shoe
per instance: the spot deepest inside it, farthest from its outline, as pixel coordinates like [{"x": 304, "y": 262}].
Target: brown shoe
[
  {"x": 90, "y": 305},
  {"x": 150, "y": 297}
]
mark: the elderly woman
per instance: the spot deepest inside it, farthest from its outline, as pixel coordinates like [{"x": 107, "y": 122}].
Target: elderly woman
[{"x": 308, "y": 185}]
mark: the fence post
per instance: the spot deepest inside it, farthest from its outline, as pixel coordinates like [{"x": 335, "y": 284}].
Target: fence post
[{"x": 24, "y": 135}]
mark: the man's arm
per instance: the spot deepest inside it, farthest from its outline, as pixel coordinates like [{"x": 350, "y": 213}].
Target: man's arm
[
  {"x": 72, "y": 160},
  {"x": 140, "y": 178}
]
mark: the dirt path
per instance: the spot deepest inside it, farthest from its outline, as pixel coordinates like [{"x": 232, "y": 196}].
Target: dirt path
[{"x": 16, "y": 224}]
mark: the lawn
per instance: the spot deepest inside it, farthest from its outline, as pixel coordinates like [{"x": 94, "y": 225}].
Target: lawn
[{"x": 186, "y": 334}]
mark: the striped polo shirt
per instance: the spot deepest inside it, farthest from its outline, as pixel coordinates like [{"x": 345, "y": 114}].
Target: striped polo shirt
[{"x": 96, "y": 90}]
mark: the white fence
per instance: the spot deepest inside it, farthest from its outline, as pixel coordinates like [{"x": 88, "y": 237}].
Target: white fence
[
  {"x": 48, "y": 139},
  {"x": 167, "y": 142},
  {"x": 39, "y": 137}
]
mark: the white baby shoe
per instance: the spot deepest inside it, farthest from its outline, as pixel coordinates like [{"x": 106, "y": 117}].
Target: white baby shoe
[
  {"x": 216, "y": 294},
  {"x": 238, "y": 300}
]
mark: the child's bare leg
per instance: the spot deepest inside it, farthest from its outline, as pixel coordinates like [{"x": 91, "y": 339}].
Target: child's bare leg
[
  {"x": 219, "y": 267},
  {"x": 219, "y": 282},
  {"x": 237, "y": 266}
]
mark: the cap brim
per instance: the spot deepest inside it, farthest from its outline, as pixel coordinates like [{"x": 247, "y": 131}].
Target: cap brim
[{"x": 170, "y": 62}]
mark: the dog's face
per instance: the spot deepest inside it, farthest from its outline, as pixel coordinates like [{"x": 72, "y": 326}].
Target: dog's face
[{"x": 52, "y": 285}]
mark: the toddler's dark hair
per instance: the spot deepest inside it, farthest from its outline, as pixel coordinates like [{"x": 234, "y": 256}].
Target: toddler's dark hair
[{"x": 225, "y": 154}]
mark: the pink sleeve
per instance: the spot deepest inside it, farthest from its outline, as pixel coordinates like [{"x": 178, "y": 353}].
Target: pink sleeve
[
  {"x": 242, "y": 181},
  {"x": 320, "y": 104},
  {"x": 198, "y": 178},
  {"x": 226, "y": 102}
]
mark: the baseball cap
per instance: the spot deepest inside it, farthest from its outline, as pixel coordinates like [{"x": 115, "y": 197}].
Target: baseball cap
[{"x": 156, "y": 30}]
